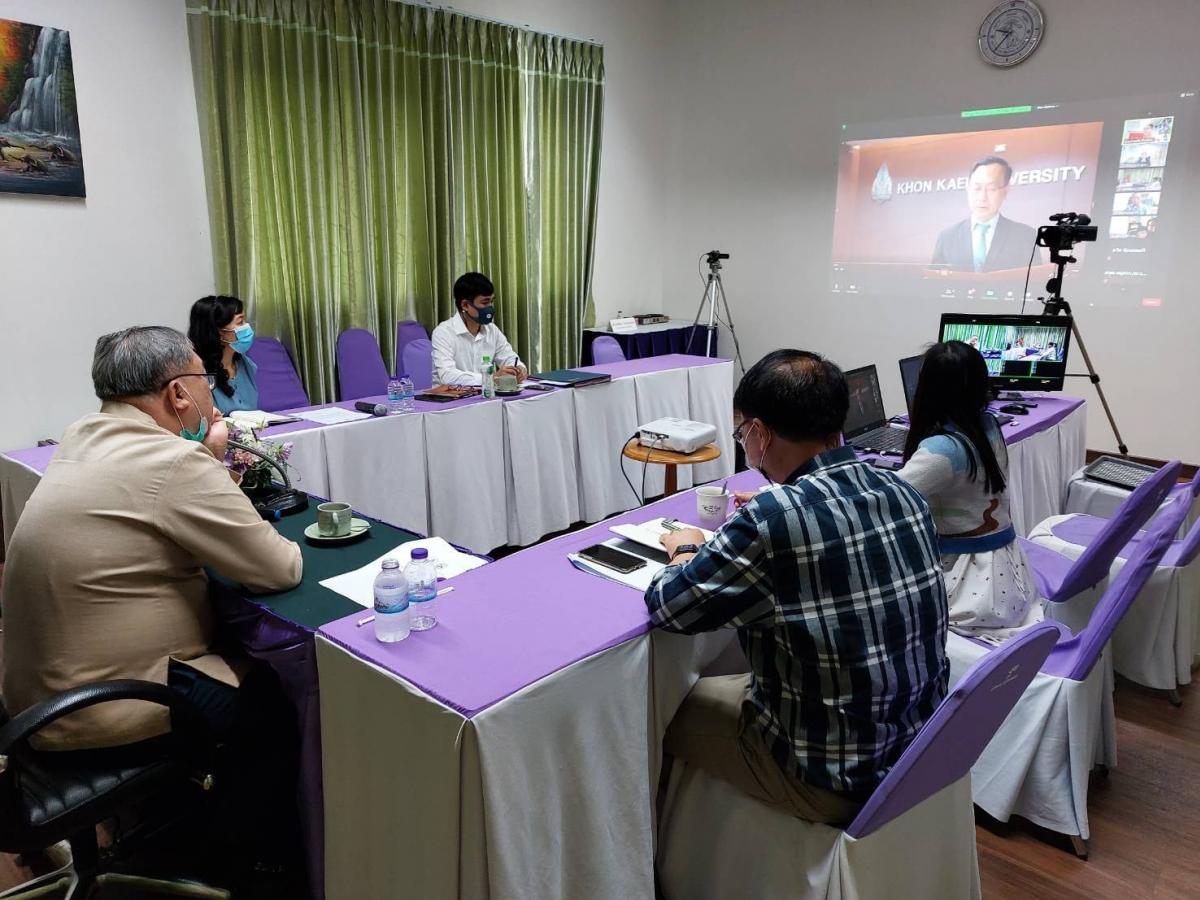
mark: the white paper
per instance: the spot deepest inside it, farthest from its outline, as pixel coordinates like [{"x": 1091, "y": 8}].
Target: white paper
[
  {"x": 648, "y": 533},
  {"x": 359, "y": 584},
  {"x": 638, "y": 579},
  {"x": 332, "y": 415}
]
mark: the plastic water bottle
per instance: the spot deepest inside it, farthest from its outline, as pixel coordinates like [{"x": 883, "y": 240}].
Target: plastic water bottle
[
  {"x": 421, "y": 575},
  {"x": 409, "y": 394},
  {"x": 395, "y": 400},
  {"x": 488, "y": 371},
  {"x": 391, "y": 603}
]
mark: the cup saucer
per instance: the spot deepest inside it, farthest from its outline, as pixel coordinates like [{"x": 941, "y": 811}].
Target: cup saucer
[{"x": 358, "y": 528}]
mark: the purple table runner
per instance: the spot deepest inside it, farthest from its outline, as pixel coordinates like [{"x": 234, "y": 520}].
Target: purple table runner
[{"x": 520, "y": 619}]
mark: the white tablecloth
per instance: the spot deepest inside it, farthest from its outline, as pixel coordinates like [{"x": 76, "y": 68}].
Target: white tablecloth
[
  {"x": 542, "y": 466},
  {"x": 1155, "y": 642},
  {"x": 1095, "y": 498},
  {"x": 1039, "y": 467},
  {"x": 605, "y": 419},
  {"x": 464, "y": 457},
  {"x": 1037, "y": 766}
]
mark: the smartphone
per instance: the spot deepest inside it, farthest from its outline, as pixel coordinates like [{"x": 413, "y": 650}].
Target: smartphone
[
  {"x": 885, "y": 463},
  {"x": 612, "y": 558},
  {"x": 536, "y": 386}
]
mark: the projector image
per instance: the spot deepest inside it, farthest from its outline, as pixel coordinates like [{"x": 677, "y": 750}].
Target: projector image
[{"x": 680, "y": 435}]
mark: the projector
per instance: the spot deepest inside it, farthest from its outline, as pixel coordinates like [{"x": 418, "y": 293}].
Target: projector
[{"x": 680, "y": 435}]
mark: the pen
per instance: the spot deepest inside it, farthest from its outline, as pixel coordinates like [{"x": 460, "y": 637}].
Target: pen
[{"x": 367, "y": 620}]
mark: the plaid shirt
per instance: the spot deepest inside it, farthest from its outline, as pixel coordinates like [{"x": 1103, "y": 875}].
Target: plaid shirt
[{"x": 834, "y": 584}]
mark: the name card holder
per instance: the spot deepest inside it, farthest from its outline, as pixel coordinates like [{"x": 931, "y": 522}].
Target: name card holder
[{"x": 626, "y": 325}]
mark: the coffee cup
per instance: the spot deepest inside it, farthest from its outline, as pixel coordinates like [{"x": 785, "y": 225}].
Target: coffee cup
[
  {"x": 506, "y": 383},
  {"x": 333, "y": 519},
  {"x": 711, "y": 506}
]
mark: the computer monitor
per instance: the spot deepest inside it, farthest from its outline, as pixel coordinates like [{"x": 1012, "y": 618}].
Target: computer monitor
[
  {"x": 1026, "y": 353},
  {"x": 866, "y": 402},
  {"x": 910, "y": 374}
]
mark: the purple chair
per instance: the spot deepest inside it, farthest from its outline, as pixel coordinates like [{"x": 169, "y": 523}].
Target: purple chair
[
  {"x": 408, "y": 331},
  {"x": 914, "y": 837},
  {"x": 1074, "y": 657},
  {"x": 279, "y": 387},
  {"x": 946, "y": 748},
  {"x": 1060, "y": 578},
  {"x": 605, "y": 349},
  {"x": 360, "y": 368},
  {"x": 418, "y": 363}
]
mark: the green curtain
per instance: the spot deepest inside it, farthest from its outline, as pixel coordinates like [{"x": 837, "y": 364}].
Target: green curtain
[{"x": 361, "y": 154}]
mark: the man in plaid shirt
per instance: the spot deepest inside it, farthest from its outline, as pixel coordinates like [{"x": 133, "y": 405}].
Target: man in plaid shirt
[{"x": 832, "y": 579}]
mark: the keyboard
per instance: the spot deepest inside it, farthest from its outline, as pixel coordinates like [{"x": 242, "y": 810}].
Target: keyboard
[
  {"x": 881, "y": 440},
  {"x": 1122, "y": 473}
]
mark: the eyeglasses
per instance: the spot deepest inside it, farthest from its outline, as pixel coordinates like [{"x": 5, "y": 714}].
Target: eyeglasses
[
  {"x": 210, "y": 380},
  {"x": 737, "y": 432}
]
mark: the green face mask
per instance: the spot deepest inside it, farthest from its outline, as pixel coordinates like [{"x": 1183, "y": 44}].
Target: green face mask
[{"x": 201, "y": 431}]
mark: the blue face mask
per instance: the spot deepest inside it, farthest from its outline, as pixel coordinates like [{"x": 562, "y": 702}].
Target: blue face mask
[
  {"x": 201, "y": 431},
  {"x": 485, "y": 314},
  {"x": 243, "y": 338}
]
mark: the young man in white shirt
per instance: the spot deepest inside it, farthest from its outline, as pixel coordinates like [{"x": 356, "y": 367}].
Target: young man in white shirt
[{"x": 462, "y": 341}]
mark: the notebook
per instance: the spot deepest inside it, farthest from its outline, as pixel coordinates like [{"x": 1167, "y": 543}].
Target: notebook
[
  {"x": 571, "y": 377},
  {"x": 647, "y": 533}
]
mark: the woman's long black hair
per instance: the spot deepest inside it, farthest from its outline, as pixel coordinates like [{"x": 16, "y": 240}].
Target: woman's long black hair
[
  {"x": 209, "y": 316},
  {"x": 952, "y": 398}
]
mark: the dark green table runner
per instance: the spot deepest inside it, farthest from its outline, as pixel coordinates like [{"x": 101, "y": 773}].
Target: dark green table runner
[{"x": 308, "y": 604}]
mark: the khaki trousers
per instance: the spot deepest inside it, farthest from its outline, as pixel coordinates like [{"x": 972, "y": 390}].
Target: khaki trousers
[{"x": 711, "y": 732}]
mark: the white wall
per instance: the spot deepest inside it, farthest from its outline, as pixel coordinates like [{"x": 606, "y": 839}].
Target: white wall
[
  {"x": 628, "y": 269},
  {"x": 136, "y": 250},
  {"x": 757, "y": 92}
]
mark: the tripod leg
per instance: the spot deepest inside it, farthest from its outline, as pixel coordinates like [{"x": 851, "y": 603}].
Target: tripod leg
[
  {"x": 700, "y": 309},
  {"x": 1095, "y": 379},
  {"x": 737, "y": 348}
]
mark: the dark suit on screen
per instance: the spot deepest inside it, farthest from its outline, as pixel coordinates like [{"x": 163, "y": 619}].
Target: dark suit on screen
[{"x": 1010, "y": 249}]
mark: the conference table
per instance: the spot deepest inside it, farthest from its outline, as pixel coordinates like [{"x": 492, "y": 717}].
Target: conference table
[
  {"x": 521, "y": 738},
  {"x": 506, "y": 471}
]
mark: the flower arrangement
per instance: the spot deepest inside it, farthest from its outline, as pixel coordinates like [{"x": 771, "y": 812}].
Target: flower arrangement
[{"x": 255, "y": 472}]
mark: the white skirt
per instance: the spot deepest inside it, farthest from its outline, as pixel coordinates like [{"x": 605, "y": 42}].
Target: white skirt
[{"x": 992, "y": 595}]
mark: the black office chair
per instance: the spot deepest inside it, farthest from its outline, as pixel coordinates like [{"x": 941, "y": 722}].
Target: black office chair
[{"x": 49, "y": 801}]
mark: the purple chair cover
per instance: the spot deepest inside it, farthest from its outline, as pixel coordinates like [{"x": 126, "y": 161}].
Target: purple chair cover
[
  {"x": 1059, "y": 580},
  {"x": 1074, "y": 658},
  {"x": 961, "y": 727},
  {"x": 407, "y": 331},
  {"x": 279, "y": 386},
  {"x": 418, "y": 363},
  {"x": 605, "y": 349},
  {"x": 1084, "y": 529},
  {"x": 361, "y": 372}
]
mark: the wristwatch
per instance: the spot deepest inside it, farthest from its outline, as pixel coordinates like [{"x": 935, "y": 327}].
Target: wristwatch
[{"x": 684, "y": 548}]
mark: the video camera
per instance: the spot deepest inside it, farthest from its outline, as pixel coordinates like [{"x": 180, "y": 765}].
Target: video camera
[
  {"x": 712, "y": 257},
  {"x": 1071, "y": 229}
]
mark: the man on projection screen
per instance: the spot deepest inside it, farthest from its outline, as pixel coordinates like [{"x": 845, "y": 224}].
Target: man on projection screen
[{"x": 985, "y": 241}]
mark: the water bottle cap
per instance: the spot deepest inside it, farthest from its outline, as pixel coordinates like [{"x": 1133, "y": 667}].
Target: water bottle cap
[
  {"x": 402, "y": 375},
  {"x": 420, "y": 553},
  {"x": 390, "y": 563}
]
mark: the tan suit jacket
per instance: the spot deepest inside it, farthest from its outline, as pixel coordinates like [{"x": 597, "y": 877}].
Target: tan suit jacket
[{"x": 105, "y": 575}]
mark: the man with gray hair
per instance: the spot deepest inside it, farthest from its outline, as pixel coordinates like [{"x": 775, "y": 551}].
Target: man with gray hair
[{"x": 105, "y": 573}]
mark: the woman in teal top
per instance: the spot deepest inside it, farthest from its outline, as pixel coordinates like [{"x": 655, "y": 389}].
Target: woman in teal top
[{"x": 219, "y": 332}]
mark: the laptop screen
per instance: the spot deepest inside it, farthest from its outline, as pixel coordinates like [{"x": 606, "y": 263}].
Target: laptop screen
[
  {"x": 866, "y": 402},
  {"x": 910, "y": 374}
]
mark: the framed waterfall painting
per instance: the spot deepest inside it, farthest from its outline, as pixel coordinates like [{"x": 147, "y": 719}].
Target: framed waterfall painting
[{"x": 39, "y": 126}]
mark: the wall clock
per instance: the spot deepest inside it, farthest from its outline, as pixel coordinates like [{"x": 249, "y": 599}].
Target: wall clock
[{"x": 1011, "y": 32}]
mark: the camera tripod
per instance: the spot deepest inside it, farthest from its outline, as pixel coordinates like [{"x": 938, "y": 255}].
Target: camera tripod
[
  {"x": 1054, "y": 305},
  {"x": 714, "y": 292}
]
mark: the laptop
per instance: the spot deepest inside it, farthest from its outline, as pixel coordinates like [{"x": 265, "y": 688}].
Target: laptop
[
  {"x": 910, "y": 374},
  {"x": 867, "y": 426}
]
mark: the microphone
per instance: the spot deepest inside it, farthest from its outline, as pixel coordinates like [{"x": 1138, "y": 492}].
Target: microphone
[{"x": 375, "y": 409}]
